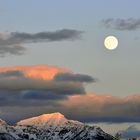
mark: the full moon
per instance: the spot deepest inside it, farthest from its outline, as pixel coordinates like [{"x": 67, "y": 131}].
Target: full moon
[{"x": 111, "y": 42}]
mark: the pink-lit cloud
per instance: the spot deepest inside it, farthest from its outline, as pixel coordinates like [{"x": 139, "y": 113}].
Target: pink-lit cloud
[
  {"x": 56, "y": 89},
  {"x": 93, "y": 105}
]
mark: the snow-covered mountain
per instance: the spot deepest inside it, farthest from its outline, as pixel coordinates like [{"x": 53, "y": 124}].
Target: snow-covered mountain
[
  {"x": 51, "y": 127},
  {"x": 45, "y": 120}
]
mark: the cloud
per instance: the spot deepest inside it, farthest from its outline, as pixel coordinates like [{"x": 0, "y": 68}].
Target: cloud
[
  {"x": 12, "y": 42},
  {"x": 30, "y": 98},
  {"x": 42, "y": 72},
  {"x": 36, "y": 85},
  {"x": 33, "y": 84},
  {"x": 42, "y": 78},
  {"x": 64, "y": 34},
  {"x": 57, "y": 89},
  {"x": 90, "y": 106},
  {"x": 41, "y": 95},
  {"x": 9, "y": 74},
  {"x": 122, "y": 24},
  {"x": 74, "y": 77},
  {"x": 83, "y": 107},
  {"x": 131, "y": 132},
  {"x": 10, "y": 49}
]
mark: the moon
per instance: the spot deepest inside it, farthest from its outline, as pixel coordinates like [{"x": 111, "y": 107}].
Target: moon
[{"x": 111, "y": 42}]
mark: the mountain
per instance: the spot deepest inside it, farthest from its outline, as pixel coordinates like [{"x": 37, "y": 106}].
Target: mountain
[
  {"x": 51, "y": 127},
  {"x": 45, "y": 120}
]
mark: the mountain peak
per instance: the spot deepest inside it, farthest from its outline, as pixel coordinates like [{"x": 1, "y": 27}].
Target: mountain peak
[
  {"x": 54, "y": 115},
  {"x": 54, "y": 119}
]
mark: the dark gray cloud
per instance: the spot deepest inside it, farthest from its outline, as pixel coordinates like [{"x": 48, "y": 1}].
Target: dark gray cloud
[
  {"x": 41, "y": 95},
  {"x": 12, "y": 43},
  {"x": 74, "y": 77},
  {"x": 9, "y": 74},
  {"x": 30, "y": 98},
  {"x": 64, "y": 34},
  {"x": 11, "y": 49},
  {"x": 122, "y": 24},
  {"x": 24, "y": 83},
  {"x": 23, "y": 91}
]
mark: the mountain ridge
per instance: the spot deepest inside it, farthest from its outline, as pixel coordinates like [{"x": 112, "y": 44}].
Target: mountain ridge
[{"x": 51, "y": 127}]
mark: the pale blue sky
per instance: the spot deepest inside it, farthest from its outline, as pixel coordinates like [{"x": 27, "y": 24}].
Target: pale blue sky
[{"x": 117, "y": 71}]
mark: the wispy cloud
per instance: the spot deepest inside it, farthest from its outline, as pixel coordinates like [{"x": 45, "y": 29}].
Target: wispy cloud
[
  {"x": 122, "y": 24},
  {"x": 12, "y": 42}
]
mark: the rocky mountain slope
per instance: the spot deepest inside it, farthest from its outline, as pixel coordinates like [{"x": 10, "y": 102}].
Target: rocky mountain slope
[{"x": 51, "y": 127}]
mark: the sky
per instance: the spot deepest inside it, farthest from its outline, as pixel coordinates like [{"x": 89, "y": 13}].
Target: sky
[{"x": 52, "y": 56}]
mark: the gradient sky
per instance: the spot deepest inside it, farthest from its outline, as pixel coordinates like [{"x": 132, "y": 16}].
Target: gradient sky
[{"x": 117, "y": 72}]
